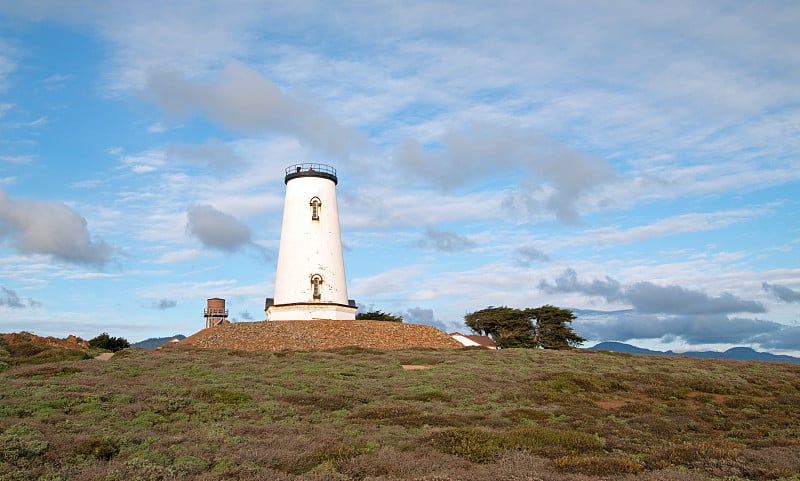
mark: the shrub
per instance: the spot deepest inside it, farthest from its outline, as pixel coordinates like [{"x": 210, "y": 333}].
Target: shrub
[
  {"x": 113, "y": 344},
  {"x": 323, "y": 402},
  {"x": 344, "y": 450},
  {"x": 354, "y": 351},
  {"x": 7, "y": 411},
  {"x": 573, "y": 382},
  {"x": 598, "y": 465},
  {"x": 380, "y": 413},
  {"x": 550, "y": 441},
  {"x": 186, "y": 465},
  {"x": 410, "y": 417},
  {"x": 377, "y": 316},
  {"x": 695, "y": 453},
  {"x": 223, "y": 396},
  {"x": 48, "y": 371},
  {"x": 525, "y": 414},
  {"x": 27, "y": 352},
  {"x": 26, "y": 349},
  {"x": 468, "y": 443},
  {"x": 428, "y": 394},
  {"x": 101, "y": 448},
  {"x": 19, "y": 444},
  {"x": 710, "y": 385}
]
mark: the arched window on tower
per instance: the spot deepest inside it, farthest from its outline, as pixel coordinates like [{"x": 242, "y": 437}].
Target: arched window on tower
[
  {"x": 316, "y": 283},
  {"x": 315, "y": 207}
]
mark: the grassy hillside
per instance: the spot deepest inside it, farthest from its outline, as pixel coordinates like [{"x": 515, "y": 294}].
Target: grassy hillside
[{"x": 356, "y": 414}]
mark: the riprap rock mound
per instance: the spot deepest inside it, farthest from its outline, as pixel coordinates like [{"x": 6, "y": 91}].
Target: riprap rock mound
[{"x": 319, "y": 335}]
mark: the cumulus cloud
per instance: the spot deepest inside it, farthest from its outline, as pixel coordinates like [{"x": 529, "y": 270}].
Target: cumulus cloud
[
  {"x": 216, "y": 229},
  {"x": 568, "y": 282},
  {"x": 493, "y": 151},
  {"x": 9, "y": 298},
  {"x": 51, "y": 228},
  {"x": 242, "y": 99},
  {"x": 526, "y": 255},
  {"x": 709, "y": 329},
  {"x": 787, "y": 338},
  {"x": 214, "y": 155},
  {"x": 164, "y": 304},
  {"x": 783, "y": 293},
  {"x": 647, "y": 297},
  {"x": 650, "y": 298},
  {"x": 444, "y": 241},
  {"x": 419, "y": 315},
  {"x": 665, "y": 313}
]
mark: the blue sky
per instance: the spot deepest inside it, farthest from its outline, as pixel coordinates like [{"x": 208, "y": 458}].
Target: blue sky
[{"x": 636, "y": 162}]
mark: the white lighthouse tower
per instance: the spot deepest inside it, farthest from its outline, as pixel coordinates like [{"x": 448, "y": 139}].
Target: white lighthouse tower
[{"x": 310, "y": 279}]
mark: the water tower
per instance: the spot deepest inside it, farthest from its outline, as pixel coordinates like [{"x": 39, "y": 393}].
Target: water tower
[
  {"x": 215, "y": 312},
  {"x": 310, "y": 279}
]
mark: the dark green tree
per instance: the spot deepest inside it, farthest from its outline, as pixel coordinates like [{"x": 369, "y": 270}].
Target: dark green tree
[
  {"x": 113, "y": 344},
  {"x": 377, "y": 316},
  {"x": 545, "y": 327},
  {"x": 508, "y": 327},
  {"x": 553, "y": 330}
]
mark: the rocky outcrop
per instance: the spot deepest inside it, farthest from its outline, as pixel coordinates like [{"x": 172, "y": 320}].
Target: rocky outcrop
[
  {"x": 319, "y": 335},
  {"x": 70, "y": 342}
]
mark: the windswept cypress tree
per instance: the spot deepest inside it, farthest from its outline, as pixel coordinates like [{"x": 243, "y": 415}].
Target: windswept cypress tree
[{"x": 545, "y": 327}]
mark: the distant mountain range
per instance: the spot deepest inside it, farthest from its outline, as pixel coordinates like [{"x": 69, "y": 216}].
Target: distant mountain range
[
  {"x": 154, "y": 342},
  {"x": 736, "y": 353}
]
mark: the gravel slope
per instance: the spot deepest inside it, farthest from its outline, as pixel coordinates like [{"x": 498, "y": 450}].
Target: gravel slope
[{"x": 319, "y": 335}]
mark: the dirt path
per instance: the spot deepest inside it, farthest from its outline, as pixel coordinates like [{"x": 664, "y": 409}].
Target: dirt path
[{"x": 105, "y": 356}]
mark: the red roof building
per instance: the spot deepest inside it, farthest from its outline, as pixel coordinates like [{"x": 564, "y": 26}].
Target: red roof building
[{"x": 474, "y": 340}]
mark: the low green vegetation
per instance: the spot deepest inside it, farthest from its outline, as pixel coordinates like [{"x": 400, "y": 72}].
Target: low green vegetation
[
  {"x": 377, "y": 316},
  {"x": 357, "y": 414},
  {"x": 110, "y": 343},
  {"x": 26, "y": 352}
]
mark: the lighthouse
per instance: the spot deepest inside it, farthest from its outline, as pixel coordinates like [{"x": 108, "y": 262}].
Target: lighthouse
[{"x": 310, "y": 279}]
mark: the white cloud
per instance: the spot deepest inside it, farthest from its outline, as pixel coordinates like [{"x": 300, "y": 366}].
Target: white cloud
[
  {"x": 145, "y": 162},
  {"x": 10, "y": 299},
  {"x": 225, "y": 288},
  {"x": 16, "y": 159},
  {"x": 37, "y": 122},
  {"x": 42, "y": 227},
  {"x": 183, "y": 255},
  {"x": 242, "y": 99},
  {"x": 490, "y": 152},
  {"x": 214, "y": 155},
  {"x": 694, "y": 222},
  {"x": 445, "y": 241},
  {"x": 216, "y": 229},
  {"x": 384, "y": 205},
  {"x": 390, "y": 283}
]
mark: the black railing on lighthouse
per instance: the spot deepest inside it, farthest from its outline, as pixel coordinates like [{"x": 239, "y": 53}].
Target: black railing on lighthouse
[{"x": 310, "y": 170}]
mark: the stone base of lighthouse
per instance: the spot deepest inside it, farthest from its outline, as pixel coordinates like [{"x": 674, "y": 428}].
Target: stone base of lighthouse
[{"x": 302, "y": 311}]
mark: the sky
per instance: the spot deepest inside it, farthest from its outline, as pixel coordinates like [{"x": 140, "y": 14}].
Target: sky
[{"x": 636, "y": 162}]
